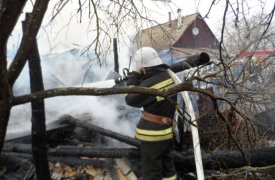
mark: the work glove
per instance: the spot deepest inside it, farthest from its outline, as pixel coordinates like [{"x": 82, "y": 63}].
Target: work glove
[{"x": 133, "y": 78}]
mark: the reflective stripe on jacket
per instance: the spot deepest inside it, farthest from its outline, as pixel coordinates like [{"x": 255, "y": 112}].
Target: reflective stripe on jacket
[
  {"x": 170, "y": 178},
  {"x": 154, "y": 135},
  {"x": 157, "y": 79}
]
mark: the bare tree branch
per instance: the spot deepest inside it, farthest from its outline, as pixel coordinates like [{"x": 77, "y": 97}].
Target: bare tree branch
[{"x": 31, "y": 31}]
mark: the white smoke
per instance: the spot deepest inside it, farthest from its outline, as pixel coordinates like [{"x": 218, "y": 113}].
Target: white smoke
[{"x": 68, "y": 69}]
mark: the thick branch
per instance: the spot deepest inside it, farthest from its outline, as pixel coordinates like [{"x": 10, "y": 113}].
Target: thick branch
[
  {"x": 96, "y": 92},
  {"x": 29, "y": 36},
  {"x": 81, "y": 91},
  {"x": 10, "y": 12},
  {"x": 187, "y": 86}
]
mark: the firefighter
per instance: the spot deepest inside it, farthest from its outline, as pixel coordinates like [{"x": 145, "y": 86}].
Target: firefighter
[{"x": 154, "y": 129}]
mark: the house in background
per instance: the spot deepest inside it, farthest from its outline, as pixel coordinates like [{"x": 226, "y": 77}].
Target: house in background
[
  {"x": 186, "y": 35},
  {"x": 189, "y": 35}
]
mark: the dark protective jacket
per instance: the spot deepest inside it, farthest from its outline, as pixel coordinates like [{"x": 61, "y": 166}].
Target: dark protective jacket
[{"x": 159, "y": 79}]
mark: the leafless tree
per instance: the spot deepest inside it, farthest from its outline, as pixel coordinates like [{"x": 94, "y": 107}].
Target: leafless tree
[
  {"x": 244, "y": 77},
  {"x": 108, "y": 19}
]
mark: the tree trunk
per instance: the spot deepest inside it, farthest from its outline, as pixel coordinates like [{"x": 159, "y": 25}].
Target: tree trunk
[
  {"x": 39, "y": 144},
  {"x": 29, "y": 36},
  {"x": 5, "y": 108},
  {"x": 10, "y": 11},
  {"x": 5, "y": 96}
]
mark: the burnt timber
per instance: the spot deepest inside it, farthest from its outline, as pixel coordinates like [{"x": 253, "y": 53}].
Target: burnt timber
[{"x": 184, "y": 160}]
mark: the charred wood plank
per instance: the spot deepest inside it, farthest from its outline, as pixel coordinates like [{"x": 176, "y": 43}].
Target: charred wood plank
[
  {"x": 70, "y": 161},
  {"x": 38, "y": 111},
  {"x": 63, "y": 151},
  {"x": 98, "y": 152},
  {"x": 11, "y": 160},
  {"x": 15, "y": 167},
  {"x": 16, "y": 147},
  {"x": 75, "y": 161},
  {"x": 11, "y": 155},
  {"x": 123, "y": 138},
  {"x": 116, "y": 68},
  {"x": 184, "y": 161}
]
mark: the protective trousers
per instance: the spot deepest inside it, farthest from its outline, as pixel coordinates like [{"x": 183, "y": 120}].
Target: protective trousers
[{"x": 157, "y": 161}]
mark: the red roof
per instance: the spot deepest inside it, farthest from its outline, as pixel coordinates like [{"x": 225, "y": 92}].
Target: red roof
[{"x": 257, "y": 53}]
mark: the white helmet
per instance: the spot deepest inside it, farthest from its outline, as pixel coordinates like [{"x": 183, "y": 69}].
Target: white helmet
[{"x": 146, "y": 57}]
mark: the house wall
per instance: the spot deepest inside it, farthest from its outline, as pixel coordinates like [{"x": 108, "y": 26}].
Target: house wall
[{"x": 205, "y": 38}]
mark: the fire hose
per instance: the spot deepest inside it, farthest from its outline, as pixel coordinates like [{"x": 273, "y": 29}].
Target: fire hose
[
  {"x": 194, "y": 130},
  {"x": 189, "y": 62}
]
